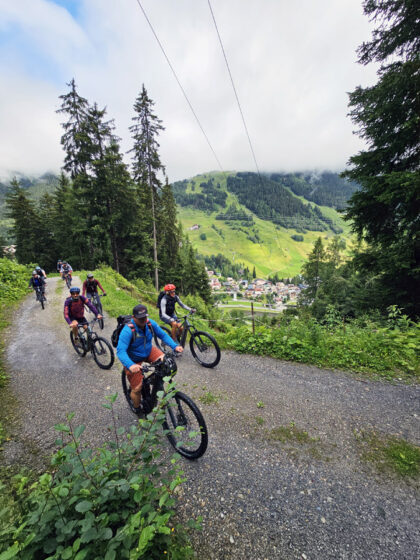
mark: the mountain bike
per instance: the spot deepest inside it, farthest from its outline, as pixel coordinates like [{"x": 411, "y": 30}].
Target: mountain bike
[
  {"x": 101, "y": 350},
  {"x": 203, "y": 346},
  {"x": 184, "y": 424},
  {"x": 40, "y": 296},
  {"x": 96, "y": 301},
  {"x": 67, "y": 278}
]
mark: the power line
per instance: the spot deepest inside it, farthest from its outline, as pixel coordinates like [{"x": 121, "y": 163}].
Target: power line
[
  {"x": 234, "y": 89},
  {"x": 180, "y": 85}
]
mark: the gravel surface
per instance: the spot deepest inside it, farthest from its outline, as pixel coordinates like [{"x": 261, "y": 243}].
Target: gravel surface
[{"x": 260, "y": 498}]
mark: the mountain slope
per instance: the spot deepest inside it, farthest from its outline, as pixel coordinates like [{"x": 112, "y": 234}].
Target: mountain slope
[{"x": 252, "y": 222}]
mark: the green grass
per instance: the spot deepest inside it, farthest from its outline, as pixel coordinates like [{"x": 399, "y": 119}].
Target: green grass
[
  {"x": 390, "y": 454},
  {"x": 209, "y": 398},
  {"x": 278, "y": 253},
  {"x": 289, "y": 433},
  {"x": 386, "y": 352}
]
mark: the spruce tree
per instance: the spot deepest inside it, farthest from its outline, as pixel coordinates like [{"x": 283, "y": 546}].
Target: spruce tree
[
  {"x": 146, "y": 166},
  {"x": 385, "y": 210},
  {"x": 26, "y": 223}
]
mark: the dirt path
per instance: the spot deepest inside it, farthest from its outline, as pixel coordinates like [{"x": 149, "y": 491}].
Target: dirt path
[{"x": 260, "y": 498}]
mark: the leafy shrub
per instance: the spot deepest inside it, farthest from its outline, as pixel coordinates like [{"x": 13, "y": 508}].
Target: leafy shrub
[
  {"x": 203, "y": 236},
  {"x": 384, "y": 351},
  {"x": 297, "y": 237},
  {"x": 113, "y": 503}
]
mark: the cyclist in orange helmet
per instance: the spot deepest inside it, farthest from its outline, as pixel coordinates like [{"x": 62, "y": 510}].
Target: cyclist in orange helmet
[{"x": 167, "y": 303}]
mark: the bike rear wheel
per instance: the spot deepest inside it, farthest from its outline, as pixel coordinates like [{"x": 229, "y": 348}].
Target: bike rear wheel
[
  {"x": 78, "y": 345},
  {"x": 160, "y": 344},
  {"x": 181, "y": 412},
  {"x": 103, "y": 353},
  {"x": 205, "y": 349}
]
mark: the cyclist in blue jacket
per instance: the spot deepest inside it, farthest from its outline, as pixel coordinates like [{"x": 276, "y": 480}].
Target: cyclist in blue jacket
[{"x": 135, "y": 347}]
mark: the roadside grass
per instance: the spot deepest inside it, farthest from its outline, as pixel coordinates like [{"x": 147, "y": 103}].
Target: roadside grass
[
  {"x": 387, "y": 352},
  {"x": 290, "y": 433},
  {"x": 14, "y": 280},
  {"x": 209, "y": 398},
  {"x": 390, "y": 454}
]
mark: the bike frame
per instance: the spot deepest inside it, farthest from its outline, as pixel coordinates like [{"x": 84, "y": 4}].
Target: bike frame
[{"x": 187, "y": 328}]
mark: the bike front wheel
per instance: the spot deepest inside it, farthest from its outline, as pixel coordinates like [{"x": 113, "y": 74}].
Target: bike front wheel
[
  {"x": 97, "y": 303},
  {"x": 186, "y": 429},
  {"x": 68, "y": 282},
  {"x": 205, "y": 349},
  {"x": 103, "y": 353},
  {"x": 78, "y": 345}
]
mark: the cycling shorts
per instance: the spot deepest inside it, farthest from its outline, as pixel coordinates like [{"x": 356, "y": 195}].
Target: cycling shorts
[
  {"x": 136, "y": 379},
  {"x": 81, "y": 321},
  {"x": 169, "y": 321}
]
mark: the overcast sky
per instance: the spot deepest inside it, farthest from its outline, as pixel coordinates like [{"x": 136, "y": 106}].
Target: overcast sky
[{"x": 292, "y": 63}]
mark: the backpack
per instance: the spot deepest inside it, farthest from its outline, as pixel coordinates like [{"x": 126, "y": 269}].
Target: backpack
[
  {"x": 159, "y": 299},
  {"x": 123, "y": 320}
]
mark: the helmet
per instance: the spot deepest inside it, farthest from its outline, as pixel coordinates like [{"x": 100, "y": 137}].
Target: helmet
[
  {"x": 34, "y": 272},
  {"x": 75, "y": 290},
  {"x": 64, "y": 262},
  {"x": 169, "y": 287},
  {"x": 89, "y": 276},
  {"x": 37, "y": 268}
]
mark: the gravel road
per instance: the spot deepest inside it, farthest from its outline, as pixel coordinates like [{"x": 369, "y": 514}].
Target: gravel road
[{"x": 260, "y": 498}]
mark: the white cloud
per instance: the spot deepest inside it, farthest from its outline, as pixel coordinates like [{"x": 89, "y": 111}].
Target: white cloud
[{"x": 292, "y": 63}]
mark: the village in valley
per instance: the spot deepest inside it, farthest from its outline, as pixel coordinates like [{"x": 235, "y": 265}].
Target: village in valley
[{"x": 274, "y": 294}]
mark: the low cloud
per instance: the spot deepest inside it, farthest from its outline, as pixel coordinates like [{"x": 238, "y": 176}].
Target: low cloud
[{"x": 292, "y": 64}]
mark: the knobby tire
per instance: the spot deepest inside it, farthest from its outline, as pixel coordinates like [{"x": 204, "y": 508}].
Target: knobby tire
[
  {"x": 205, "y": 349},
  {"x": 101, "y": 348},
  {"x": 182, "y": 411},
  {"x": 78, "y": 346}
]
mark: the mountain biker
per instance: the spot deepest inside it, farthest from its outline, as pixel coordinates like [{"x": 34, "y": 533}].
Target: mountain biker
[
  {"x": 74, "y": 310},
  {"x": 91, "y": 285},
  {"x": 59, "y": 264},
  {"x": 37, "y": 281},
  {"x": 167, "y": 310},
  {"x": 65, "y": 269},
  {"x": 41, "y": 272},
  {"x": 135, "y": 347}
]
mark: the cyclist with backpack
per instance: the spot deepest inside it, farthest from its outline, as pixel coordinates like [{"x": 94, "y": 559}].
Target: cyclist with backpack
[
  {"x": 91, "y": 285},
  {"x": 65, "y": 269},
  {"x": 74, "y": 310},
  {"x": 37, "y": 282},
  {"x": 135, "y": 346},
  {"x": 41, "y": 272},
  {"x": 166, "y": 305}
]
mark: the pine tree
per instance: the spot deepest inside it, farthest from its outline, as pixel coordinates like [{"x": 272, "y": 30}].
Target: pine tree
[
  {"x": 147, "y": 165},
  {"x": 26, "y": 223},
  {"x": 385, "y": 210},
  {"x": 313, "y": 270},
  {"x": 168, "y": 236},
  {"x": 75, "y": 140}
]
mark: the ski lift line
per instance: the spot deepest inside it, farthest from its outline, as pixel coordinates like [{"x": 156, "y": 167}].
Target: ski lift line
[
  {"x": 234, "y": 89},
  {"x": 180, "y": 85}
]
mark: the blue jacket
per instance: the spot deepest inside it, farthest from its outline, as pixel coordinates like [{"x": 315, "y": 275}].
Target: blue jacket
[{"x": 131, "y": 351}]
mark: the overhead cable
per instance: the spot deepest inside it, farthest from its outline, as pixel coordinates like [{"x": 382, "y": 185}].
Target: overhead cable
[
  {"x": 179, "y": 83},
  {"x": 234, "y": 89}
]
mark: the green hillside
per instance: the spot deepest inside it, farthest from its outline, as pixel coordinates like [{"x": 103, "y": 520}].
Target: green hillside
[
  {"x": 249, "y": 239},
  {"x": 248, "y": 221},
  {"x": 36, "y": 187}
]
